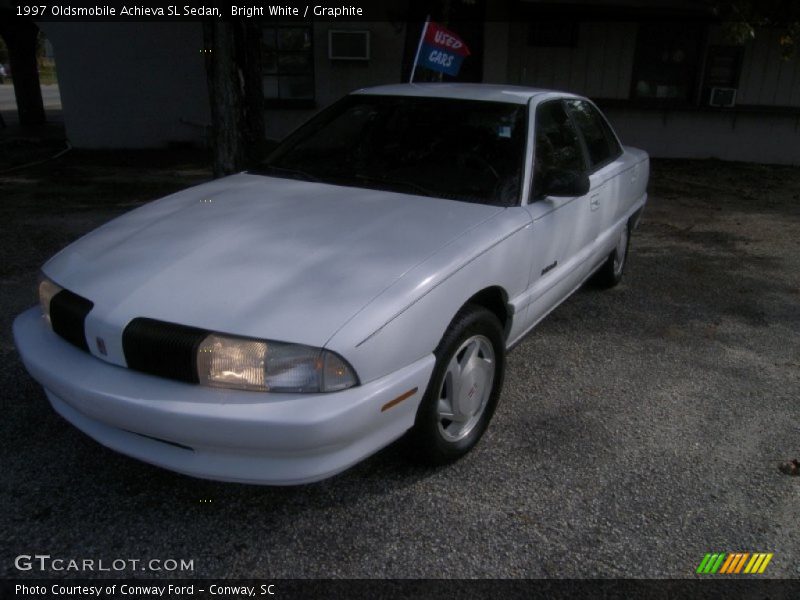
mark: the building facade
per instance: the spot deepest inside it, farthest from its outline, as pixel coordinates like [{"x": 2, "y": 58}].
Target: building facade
[{"x": 667, "y": 77}]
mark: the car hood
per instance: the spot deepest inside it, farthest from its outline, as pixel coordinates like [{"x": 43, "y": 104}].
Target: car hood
[{"x": 258, "y": 256}]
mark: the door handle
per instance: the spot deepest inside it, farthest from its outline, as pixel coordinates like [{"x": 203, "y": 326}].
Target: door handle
[{"x": 594, "y": 201}]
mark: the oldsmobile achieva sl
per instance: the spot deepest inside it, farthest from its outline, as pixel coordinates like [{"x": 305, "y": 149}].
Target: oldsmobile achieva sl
[{"x": 363, "y": 284}]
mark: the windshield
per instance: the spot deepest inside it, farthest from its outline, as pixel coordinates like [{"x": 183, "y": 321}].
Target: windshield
[{"x": 457, "y": 149}]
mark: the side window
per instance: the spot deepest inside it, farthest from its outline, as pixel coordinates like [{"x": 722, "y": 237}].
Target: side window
[
  {"x": 557, "y": 144},
  {"x": 600, "y": 141}
]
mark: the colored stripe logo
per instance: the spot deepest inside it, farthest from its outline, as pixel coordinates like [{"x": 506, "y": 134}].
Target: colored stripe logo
[{"x": 734, "y": 563}]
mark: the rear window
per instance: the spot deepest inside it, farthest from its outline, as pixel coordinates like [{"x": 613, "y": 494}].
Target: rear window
[{"x": 600, "y": 141}]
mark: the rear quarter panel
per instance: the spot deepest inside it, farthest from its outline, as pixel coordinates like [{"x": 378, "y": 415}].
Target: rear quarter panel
[{"x": 639, "y": 160}]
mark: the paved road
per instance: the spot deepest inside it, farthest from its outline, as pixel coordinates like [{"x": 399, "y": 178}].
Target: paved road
[
  {"x": 639, "y": 428},
  {"x": 8, "y": 103},
  {"x": 50, "y": 96}
]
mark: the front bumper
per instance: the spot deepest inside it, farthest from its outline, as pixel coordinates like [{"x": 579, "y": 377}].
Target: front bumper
[{"x": 279, "y": 439}]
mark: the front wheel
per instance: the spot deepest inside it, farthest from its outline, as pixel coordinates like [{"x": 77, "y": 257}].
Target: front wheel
[{"x": 464, "y": 388}]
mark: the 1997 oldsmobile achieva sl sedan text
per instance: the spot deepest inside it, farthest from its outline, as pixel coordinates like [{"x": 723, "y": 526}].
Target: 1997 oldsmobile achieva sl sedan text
[{"x": 279, "y": 325}]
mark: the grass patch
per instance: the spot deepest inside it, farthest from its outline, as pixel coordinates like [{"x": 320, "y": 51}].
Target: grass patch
[{"x": 47, "y": 74}]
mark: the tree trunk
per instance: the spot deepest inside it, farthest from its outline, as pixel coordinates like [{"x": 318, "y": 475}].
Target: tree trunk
[
  {"x": 20, "y": 37},
  {"x": 233, "y": 67},
  {"x": 225, "y": 89},
  {"x": 253, "y": 117}
]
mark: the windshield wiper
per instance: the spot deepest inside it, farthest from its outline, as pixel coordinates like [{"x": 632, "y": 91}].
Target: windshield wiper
[
  {"x": 396, "y": 183},
  {"x": 297, "y": 173}
]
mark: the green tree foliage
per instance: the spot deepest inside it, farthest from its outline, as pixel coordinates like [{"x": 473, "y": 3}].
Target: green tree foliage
[{"x": 741, "y": 18}]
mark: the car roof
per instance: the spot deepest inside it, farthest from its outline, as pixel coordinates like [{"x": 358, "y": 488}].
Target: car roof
[{"x": 466, "y": 91}]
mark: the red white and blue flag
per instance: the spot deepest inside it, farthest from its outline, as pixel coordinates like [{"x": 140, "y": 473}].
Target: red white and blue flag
[{"x": 440, "y": 50}]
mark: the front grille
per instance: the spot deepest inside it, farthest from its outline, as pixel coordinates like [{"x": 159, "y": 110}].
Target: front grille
[
  {"x": 67, "y": 314},
  {"x": 163, "y": 349}
]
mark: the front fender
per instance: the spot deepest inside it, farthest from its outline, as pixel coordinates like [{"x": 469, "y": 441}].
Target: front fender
[{"x": 407, "y": 320}]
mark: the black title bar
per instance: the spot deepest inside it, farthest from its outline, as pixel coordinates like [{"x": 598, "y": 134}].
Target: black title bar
[{"x": 461, "y": 589}]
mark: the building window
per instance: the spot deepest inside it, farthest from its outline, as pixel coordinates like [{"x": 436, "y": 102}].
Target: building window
[
  {"x": 723, "y": 66},
  {"x": 288, "y": 67},
  {"x": 666, "y": 60},
  {"x": 348, "y": 45}
]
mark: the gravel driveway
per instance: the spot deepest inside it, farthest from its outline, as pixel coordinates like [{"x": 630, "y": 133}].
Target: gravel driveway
[{"x": 639, "y": 428}]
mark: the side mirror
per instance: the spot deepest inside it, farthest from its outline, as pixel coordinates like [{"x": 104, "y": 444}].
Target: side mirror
[{"x": 561, "y": 182}]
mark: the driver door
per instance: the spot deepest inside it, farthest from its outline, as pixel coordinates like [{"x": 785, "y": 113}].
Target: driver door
[{"x": 563, "y": 229}]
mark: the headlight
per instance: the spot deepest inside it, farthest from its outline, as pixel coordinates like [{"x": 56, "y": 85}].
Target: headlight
[
  {"x": 241, "y": 363},
  {"x": 47, "y": 289}
]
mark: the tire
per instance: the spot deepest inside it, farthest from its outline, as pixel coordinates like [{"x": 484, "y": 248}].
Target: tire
[
  {"x": 610, "y": 272},
  {"x": 470, "y": 356}
]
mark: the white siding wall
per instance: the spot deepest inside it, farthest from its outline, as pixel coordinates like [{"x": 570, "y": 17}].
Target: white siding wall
[
  {"x": 750, "y": 137},
  {"x": 335, "y": 78},
  {"x": 143, "y": 85},
  {"x": 599, "y": 66},
  {"x": 766, "y": 78},
  {"x": 131, "y": 85},
  {"x": 496, "y": 52}
]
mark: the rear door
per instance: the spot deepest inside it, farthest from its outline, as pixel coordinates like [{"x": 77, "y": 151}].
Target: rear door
[{"x": 605, "y": 164}]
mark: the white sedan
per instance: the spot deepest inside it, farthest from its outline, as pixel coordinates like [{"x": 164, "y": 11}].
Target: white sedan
[{"x": 364, "y": 284}]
